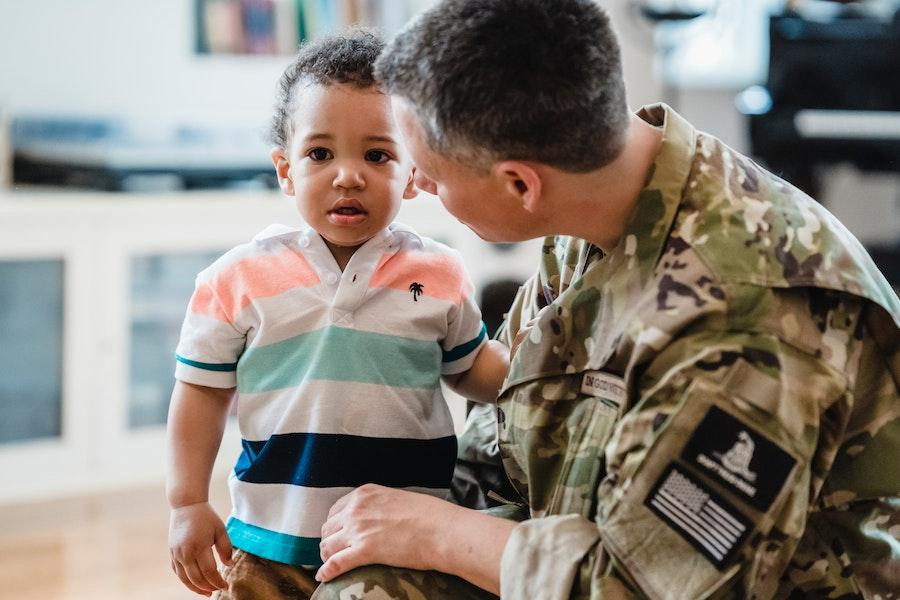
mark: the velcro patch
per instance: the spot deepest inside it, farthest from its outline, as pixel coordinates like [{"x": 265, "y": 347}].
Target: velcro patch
[
  {"x": 739, "y": 457},
  {"x": 604, "y": 386},
  {"x": 700, "y": 516}
]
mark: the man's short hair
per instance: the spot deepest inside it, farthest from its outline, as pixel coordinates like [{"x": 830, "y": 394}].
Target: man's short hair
[{"x": 491, "y": 80}]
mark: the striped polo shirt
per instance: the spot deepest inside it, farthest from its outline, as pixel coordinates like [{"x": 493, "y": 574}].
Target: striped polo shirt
[{"x": 337, "y": 373}]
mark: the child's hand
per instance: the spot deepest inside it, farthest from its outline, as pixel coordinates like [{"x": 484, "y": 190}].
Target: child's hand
[{"x": 193, "y": 530}]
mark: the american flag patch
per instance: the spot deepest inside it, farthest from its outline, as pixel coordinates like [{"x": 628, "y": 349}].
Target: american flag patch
[{"x": 698, "y": 515}]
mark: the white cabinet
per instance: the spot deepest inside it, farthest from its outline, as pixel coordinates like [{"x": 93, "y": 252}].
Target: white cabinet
[{"x": 93, "y": 288}]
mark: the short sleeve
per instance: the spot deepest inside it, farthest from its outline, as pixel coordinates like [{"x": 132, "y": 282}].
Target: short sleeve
[
  {"x": 466, "y": 332},
  {"x": 210, "y": 344}
]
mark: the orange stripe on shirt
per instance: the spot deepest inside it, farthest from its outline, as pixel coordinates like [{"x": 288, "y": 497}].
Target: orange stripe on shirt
[
  {"x": 203, "y": 302},
  {"x": 252, "y": 278},
  {"x": 441, "y": 276}
]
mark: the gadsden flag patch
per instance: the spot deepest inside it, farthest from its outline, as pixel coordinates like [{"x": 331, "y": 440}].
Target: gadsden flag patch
[
  {"x": 700, "y": 516},
  {"x": 739, "y": 457}
]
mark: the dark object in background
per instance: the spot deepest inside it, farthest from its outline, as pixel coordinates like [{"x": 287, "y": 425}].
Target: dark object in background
[
  {"x": 496, "y": 298},
  {"x": 835, "y": 97},
  {"x": 117, "y": 155}
]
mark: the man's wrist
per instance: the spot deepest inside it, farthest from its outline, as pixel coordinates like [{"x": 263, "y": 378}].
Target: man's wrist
[{"x": 477, "y": 559}]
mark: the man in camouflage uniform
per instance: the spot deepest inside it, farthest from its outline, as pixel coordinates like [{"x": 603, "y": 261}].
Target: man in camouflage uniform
[{"x": 706, "y": 408}]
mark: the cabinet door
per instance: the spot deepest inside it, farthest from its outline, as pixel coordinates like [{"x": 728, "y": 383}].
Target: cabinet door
[
  {"x": 161, "y": 286},
  {"x": 31, "y": 343}
]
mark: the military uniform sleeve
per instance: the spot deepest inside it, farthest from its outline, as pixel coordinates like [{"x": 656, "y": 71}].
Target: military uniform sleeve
[{"x": 708, "y": 477}]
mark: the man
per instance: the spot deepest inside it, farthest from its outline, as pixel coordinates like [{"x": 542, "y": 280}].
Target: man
[{"x": 702, "y": 399}]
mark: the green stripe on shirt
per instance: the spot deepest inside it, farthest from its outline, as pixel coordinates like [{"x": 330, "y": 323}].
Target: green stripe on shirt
[
  {"x": 207, "y": 366},
  {"x": 463, "y": 349},
  {"x": 339, "y": 354}
]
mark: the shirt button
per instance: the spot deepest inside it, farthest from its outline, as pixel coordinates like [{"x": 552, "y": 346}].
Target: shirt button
[
  {"x": 331, "y": 279},
  {"x": 304, "y": 242}
]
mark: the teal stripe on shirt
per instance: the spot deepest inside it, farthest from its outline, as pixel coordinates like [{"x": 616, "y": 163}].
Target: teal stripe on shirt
[
  {"x": 207, "y": 366},
  {"x": 273, "y": 545},
  {"x": 463, "y": 349},
  {"x": 339, "y": 354}
]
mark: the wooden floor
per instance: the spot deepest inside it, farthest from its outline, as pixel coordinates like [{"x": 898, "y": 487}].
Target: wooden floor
[{"x": 96, "y": 548}]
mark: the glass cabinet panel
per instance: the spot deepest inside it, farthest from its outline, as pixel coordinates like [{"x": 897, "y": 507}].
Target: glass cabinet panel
[
  {"x": 31, "y": 349},
  {"x": 161, "y": 286}
]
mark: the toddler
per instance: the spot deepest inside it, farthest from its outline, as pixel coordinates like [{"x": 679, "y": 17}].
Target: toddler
[{"x": 333, "y": 337}]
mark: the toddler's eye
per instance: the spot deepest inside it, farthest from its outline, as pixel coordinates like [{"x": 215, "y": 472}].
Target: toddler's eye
[
  {"x": 319, "y": 154},
  {"x": 377, "y": 156}
]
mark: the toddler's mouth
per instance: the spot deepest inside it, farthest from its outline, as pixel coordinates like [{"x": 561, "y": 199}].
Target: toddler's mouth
[
  {"x": 347, "y": 207},
  {"x": 348, "y": 210}
]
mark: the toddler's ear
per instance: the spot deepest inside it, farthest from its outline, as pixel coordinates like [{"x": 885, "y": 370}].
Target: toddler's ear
[
  {"x": 282, "y": 170},
  {"x": 411, "y": 191}
]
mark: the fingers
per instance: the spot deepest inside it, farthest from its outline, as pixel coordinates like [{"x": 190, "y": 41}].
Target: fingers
[
  {"x": 197, "y": 577},
  {"x": 339, "y": 563},
  {"x": 183, "y": 576},
  {"x": 207, "y": 565},
  {"x": 223, "y": 547},
  {"x": 331, "y": 527},
  {"x": 340, "y": 504},
  {"x": 331, "y": 545},
  {"x": 199, "y": 574}
]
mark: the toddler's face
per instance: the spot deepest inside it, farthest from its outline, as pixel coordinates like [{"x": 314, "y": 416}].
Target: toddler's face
[{"x": 348, "y": 171}]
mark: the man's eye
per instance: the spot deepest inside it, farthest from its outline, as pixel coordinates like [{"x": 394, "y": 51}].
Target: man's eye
[
  {"x": 319, "y": 154},
  {"x": 377, "y": 156}
]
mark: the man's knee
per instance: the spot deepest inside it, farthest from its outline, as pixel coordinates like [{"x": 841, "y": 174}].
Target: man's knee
[{"x": 378, "y": 582}]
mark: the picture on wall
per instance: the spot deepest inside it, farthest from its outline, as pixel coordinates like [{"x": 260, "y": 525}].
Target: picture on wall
[{"x": 264, "y": 27}]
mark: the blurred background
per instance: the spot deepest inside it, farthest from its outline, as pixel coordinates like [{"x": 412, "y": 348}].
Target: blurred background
[{"x": 133, "y": 153}]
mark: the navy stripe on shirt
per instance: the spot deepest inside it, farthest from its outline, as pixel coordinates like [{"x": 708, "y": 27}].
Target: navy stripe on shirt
[{"x": 337, "y": 460}]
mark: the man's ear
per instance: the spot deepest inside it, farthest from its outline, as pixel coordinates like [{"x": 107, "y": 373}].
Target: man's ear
[
  {"x": 282, "y": 170},
  {"x": 521, "y": 181},
  {"x": 411, "y": 191}
]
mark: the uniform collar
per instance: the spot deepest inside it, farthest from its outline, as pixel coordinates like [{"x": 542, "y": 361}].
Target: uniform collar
[{"x": 649, "y": 225}]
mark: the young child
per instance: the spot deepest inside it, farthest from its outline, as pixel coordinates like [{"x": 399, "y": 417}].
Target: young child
[{"x": 334, "y": 339}]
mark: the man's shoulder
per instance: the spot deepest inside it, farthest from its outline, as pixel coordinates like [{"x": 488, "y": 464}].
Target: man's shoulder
[{"x": 751, "y": 227}]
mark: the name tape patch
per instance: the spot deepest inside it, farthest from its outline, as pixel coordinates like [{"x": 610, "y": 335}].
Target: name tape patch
[
  {"x": 739, "y": 457},
  {"x": 701, "y": 517},
  {"x": 604, "y": 385}
]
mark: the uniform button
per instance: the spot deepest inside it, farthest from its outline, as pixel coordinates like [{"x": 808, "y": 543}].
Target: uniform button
[
  {"x": 304, "y": 241},
  {"x": 331, "y": 279}
]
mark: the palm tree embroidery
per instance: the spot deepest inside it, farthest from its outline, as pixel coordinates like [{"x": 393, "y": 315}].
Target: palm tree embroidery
[{"x": 416, "y": 288}]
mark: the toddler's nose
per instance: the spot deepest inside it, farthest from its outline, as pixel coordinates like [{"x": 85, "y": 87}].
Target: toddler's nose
[{"x": 349, "y": 177}]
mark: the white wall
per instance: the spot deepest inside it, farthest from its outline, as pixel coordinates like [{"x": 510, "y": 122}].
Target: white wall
[
  {"x": 128, "y": 57},
  {"x": 136, "y": 58}
]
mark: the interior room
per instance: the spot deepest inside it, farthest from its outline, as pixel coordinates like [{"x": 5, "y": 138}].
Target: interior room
[{"x": 133, "y": 153}]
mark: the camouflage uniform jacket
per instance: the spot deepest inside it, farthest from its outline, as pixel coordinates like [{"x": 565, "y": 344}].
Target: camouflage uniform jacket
[{"x": 711, "y": 409}]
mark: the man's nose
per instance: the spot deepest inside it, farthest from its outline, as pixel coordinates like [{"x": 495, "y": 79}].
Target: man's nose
[{"x": 349, "y": 175}]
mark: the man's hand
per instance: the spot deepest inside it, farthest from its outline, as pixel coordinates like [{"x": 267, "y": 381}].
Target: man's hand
[
  {"x": 193, "y": 531},
  {"x": 375, "y": 524},
  {"x": 379, "y": 525}
]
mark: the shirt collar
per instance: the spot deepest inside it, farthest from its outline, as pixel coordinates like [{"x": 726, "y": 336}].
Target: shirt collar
[
  {"x": 390, "y": 237},
  {"x": 649, "y": 225}
]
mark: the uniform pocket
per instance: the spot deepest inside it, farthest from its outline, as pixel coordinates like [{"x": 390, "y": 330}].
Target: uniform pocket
[{"x": 552, "y": 438}]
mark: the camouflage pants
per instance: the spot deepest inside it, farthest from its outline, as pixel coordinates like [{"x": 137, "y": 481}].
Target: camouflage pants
[
  {"x": 377, "y": 582},
  {"x": 254, "y": 578}
]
